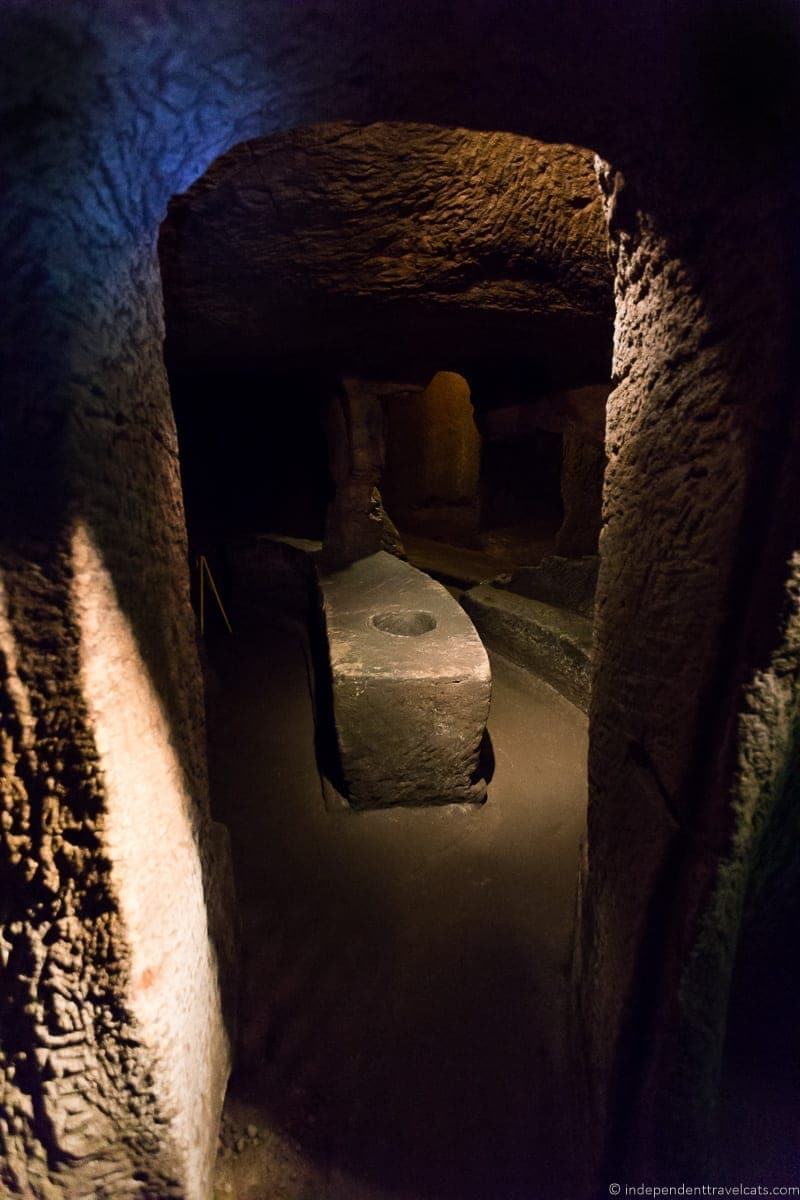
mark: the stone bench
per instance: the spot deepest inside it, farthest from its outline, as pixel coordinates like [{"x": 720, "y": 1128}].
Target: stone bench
[
  {"x": 410, "y": 684},
  {"x": 554, "y": 642}
]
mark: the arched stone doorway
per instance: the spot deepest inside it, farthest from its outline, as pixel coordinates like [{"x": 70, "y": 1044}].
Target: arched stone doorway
[{"x": 691, "y": 727}]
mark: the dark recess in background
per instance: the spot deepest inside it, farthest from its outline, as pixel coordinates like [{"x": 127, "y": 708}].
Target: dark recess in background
[{"x": 253, "y": 454}]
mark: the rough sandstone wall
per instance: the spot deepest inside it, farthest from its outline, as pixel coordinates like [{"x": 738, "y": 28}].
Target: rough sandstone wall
[
  {"x": 392, "y": 245},
  {"x": 696, "y": 685},
  {"x": 113, "y": 1059},
  {"x": 108, "y": 111}
]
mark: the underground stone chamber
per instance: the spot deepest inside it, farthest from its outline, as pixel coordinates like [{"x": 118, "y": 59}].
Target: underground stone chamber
[{"x": 376, "y": 234}]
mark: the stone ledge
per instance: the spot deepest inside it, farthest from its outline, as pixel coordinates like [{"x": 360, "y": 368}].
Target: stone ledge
[{"x": 554, "y": 642}]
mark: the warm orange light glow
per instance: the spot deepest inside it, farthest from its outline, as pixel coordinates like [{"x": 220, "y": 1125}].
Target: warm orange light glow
[{"x": 152, "y": 841}]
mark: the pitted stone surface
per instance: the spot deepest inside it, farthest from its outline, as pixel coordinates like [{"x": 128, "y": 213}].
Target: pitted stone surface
[
  {"x": 497, "y": 239},
  {"x": 108, "y": 110},
  {"x": 563, "y": 582},
  {"x": 552, "y": 641},
  {"x": 411, "y": 685}
]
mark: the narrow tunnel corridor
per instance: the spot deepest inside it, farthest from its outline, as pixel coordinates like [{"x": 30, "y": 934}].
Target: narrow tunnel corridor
[
  {"x": 233, "y": 235},
  {"x": 404, "y": 972}
]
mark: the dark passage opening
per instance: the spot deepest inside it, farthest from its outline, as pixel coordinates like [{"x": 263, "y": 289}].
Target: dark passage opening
[
  {"x": 402, "y": 1019},
  {"x": 521, "y": 490},
  {"x": 254, "y": 456}
]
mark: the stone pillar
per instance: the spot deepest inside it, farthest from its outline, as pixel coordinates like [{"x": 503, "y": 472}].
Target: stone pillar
[
  {"x": 113, "y": 1055},
  {"x": 696, "y": 680},
  {"x": 582, "y": 468},
  {"x": 357, "y": 524}
]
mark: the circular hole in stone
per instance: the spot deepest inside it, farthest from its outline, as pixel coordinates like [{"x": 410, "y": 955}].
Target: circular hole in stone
[{"x": 404, "y": 622}]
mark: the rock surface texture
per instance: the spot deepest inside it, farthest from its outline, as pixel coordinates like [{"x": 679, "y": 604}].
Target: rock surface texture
[
  {"x": 357, "y": 524},
  {"x": 565, "y": 582},
  {"x": 107, "y": 112},
  {"x": 391, "y": 246},
  {"x": 411, "y": 686},
  {"x": 552, "y": 641},
  {"x": 695, "y": 674}
]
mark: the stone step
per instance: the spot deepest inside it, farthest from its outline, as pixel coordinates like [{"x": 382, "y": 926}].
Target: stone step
[{"x": 554, "y": 642}]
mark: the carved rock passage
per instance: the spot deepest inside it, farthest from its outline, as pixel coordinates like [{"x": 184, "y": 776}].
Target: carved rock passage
[
  {"x": 110, "y": 109},
  {"x": 579, "y": 415},
  {"x": 391, "y": 243}
]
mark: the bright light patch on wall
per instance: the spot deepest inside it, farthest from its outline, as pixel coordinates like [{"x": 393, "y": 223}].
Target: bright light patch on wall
[{"x": 152, "y": 843}]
